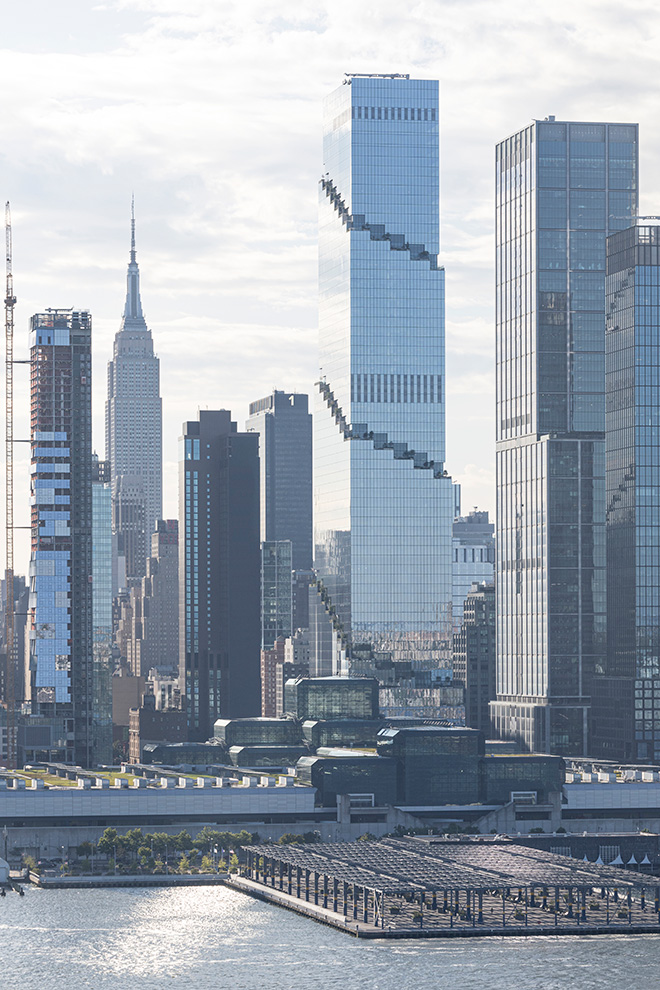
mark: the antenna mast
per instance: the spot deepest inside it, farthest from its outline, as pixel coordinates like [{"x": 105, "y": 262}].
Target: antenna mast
[{"x": 10, "y": 302}]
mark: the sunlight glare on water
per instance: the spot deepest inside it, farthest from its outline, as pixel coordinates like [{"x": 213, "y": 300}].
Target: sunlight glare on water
[{"x": 212, "y": 938}]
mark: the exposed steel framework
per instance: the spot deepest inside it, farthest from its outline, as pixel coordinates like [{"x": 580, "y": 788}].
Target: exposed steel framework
[{"x": 10, "y": 302}]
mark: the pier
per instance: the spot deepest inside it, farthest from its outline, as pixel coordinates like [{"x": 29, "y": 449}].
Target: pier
[{"x": 412, "y": 888}]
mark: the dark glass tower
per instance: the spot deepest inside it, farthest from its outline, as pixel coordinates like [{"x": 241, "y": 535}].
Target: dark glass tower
[
  {"x": 219, "y": 568},
  {"x": 561, "y": 188},
  {"x": 284, "y": 425},
  {"x": 627, "y": 698},
  {"x": 61, "y": 637}
]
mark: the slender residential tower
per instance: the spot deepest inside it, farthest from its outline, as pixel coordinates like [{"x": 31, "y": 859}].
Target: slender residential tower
[
  {"x": 561, "y": 188},
  {"x": 383, "y": 501},
  {"x": 133, "y": 421},
  {"x": 61, "y": 667}
]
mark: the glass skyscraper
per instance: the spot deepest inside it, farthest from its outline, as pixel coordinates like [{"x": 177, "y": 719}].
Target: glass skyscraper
[
  {"x": 284, "y": 425},
  {"x": 276, "y": 592},
  {"x": 561, "y": 188},
  {"x": 61, "y": 673},
  {"x": 383, "y": 502},
  {"x": 102, "y": 611},
  {"x": 627, "y": 698}
]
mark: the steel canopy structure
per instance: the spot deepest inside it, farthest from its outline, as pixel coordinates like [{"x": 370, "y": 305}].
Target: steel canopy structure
[{"x": 443, "y": 887}]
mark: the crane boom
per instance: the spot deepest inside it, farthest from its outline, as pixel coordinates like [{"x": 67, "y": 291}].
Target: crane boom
[{"x": 10, "y": 301}]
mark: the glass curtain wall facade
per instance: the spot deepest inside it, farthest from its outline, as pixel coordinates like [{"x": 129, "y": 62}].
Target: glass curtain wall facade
[
  {"x": 102, "y": 611},
  {"x": 276, "y": 592},
  {"x": 284, "y": 425},
  {"x": 383, "y": 503},
  {"x": 627, "y": 698},
  {"x": 60, "y": 622},
  {"x": 473, "y": 543},
  {"x": 561, "y": 188}
]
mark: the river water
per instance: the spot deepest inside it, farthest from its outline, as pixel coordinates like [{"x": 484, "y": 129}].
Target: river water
[{"x": 213, "y": 938}]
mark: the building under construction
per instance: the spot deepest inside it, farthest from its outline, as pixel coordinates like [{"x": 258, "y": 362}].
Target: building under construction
[{"x": 403, "y": 888}]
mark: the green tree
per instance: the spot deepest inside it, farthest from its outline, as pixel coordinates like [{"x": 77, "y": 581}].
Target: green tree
[
  {"x": 184, "y": 864},
  {"x": 183, "y": 841},
  {"x": 207, "y": 865},
  {"x": 107, "y": 842},
  {"x": 244, "y": 838},
  {"x": 133, "y": 839},
  {"x": 206, "y": 838},
  {"x": 290, "y": 839},
  {"x": 161, "y": 841}
]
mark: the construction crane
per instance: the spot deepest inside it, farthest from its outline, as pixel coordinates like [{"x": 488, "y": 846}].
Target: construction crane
[{"x": 10, "y": 302}]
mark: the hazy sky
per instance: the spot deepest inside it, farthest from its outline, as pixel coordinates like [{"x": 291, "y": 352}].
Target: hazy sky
[{"x": 210, "y": 110}]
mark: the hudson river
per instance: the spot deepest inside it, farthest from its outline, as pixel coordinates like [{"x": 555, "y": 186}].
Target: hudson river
[{"x": 216, "y": 939}]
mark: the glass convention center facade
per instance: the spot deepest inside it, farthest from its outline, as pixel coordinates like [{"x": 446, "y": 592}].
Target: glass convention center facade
[{"x": 383, "y": 502}]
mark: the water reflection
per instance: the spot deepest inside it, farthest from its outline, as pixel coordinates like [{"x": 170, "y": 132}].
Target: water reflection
[{"x": 205, "y": 938}]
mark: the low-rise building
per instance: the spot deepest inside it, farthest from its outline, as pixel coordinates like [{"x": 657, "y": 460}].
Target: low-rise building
[
  {"x": 332, "y": 697},
  {"x": 474, "y": 655},
  {"x": 149, "y": 724},
  {"x": 43, "y": 812}
]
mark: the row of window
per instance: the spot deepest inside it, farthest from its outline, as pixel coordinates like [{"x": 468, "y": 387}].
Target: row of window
[{"x": 396, "y": 388}]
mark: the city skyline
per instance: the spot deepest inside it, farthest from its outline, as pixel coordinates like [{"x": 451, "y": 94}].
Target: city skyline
[{"x": 207, "y": 212}]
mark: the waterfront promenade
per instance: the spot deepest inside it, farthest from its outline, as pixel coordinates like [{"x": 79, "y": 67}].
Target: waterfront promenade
[{"x": 126, "y": 880}]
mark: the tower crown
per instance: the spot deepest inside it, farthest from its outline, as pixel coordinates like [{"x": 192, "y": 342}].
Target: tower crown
[{"x": 133, "y": 317}]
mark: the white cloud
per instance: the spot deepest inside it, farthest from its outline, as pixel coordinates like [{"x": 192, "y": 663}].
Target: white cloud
[{"x": 212, "y": 114}]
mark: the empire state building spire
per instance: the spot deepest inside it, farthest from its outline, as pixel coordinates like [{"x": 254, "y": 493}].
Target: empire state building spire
[
  {"x": 133, "y": 317},
  {"x": 133, "y": 430}
]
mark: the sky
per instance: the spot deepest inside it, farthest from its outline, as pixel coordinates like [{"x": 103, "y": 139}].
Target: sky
[{"x": 210, "y": 112}]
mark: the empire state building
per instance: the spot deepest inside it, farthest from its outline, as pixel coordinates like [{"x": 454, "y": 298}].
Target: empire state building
[{"x": 133, "y": 430}]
